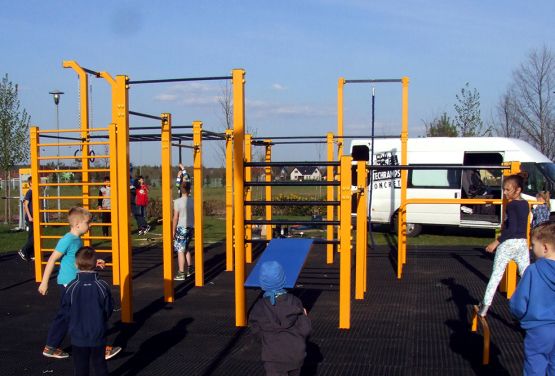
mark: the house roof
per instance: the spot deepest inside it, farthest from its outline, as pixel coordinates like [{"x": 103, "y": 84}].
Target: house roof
[{"x": 307, "y": 170}]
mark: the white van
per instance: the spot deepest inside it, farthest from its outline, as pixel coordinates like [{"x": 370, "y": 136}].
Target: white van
[{"x": 448, "y": 183}]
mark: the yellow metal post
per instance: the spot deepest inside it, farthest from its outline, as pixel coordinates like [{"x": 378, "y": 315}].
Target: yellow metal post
[
  {"x": 114, "y": 204},
  {"x": 167, "y": 233},
  {"x": 268, "y": 189},
  {"x": 340, "y": 87},
  {"x": 197, "y": 198},
  {"x": 84, "y": 118},
  {"x": 402, "y": 213},
  {"x": 229, "y": 200},
  {"x": 248, "y": 197},
  {"x": 361, "y": 241},
  {"x": 35, "y": 180},
  {"x": 345, "y": 242},
  {"x": 329, "y": 197},
  {"x": 120, "y": 112},
  {"x": 238, "y": 183}
]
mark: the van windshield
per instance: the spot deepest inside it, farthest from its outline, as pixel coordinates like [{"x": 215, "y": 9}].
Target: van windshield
[{"x": 541, "y": 177}]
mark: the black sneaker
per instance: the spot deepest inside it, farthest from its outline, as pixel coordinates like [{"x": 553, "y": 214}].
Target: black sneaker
[
  {"x": 190, "y": 271},
  {"x": 51, "y": 352},
  {"x": 22, "y": 255},
  {"x": 111, "y": 351},
  {"x": 180, "y": 276},
  {"x": 147, "y": 229}
]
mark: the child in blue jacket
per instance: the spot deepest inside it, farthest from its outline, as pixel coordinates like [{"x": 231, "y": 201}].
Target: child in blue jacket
[
  {"x": 533, "y": 303},
  {"x": 88, "y": 304}
]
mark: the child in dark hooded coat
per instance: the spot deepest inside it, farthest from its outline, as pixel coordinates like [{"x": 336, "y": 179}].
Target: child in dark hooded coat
[{"x": 281, "y": 322}]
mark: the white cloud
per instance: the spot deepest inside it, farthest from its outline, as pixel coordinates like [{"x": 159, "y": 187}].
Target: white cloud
[
  {"x": 278, "y": 87},
  {"x": 262, "y": 109},
  {"x": 191, "y": 94}
]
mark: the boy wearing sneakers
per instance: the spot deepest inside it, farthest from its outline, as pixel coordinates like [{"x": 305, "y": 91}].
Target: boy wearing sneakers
[
  {"x": 79, "y": 219},
  {"x": 183, "y": 227},
  {"x": 88, "y": 304},
  {"x": 533, "y": 303}
]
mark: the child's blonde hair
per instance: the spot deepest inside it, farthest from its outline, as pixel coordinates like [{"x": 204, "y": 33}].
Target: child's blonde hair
[
  {"x": 545, "y": 233},
  {"x": 77, "y": 214},
  {"x": 545, "y": 196}
]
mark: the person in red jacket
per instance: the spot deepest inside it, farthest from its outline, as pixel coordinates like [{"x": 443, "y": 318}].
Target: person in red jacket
[{"x": 141, "y": 200}]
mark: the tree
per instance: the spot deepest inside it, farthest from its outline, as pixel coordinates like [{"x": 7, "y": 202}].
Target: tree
[
  {"x": 14, "y": 133},
  {"x": 533, "y": 103},
  {"x": 441, "y": 127},
  {"x": 468, "y": 119},
  {"x": 505, "y": 125}
]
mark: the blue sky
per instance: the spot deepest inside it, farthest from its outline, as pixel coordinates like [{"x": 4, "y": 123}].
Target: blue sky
[{"x": 293, "y": 53}]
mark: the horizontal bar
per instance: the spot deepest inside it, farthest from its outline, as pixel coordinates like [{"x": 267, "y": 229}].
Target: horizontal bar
[
  {"x": 292, "y": 163},
  {"x": 434, "y": 167},
  {"x": 298, "y": 142},
  {"x": 289, "y": 222},
  {"x": 83, "y": 237},
  {"x": 292, "y": 203},
  {"x": 69, "y": 197},
  {"x": 180, "y": 80},
  {"x": 65, "y": 211},
  {"x": 145, "y": 115},
  {"x": 60, "y": 137},
  {"x": 92, "y": 224},
  {"x": 74, "y": 157},
  {"x": 320, "y": 137},
  {"x": 94, "y": 143},
  {"x": 315, "y": 241},
  {"x": 90, "y": 71},
  {"x": 75, "y": 170},
  {"x": 71, "y": 184},
  {"x": 183, "y": 146},
  {"x": 316, "y": 183},
  {"x": 73, "y": 130},
  {"x": 160, "y": 127},
  {"x": 384, "y": 80}
]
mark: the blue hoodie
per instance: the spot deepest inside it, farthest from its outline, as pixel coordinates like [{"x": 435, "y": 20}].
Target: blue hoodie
[{"x": 533, "y": 302}]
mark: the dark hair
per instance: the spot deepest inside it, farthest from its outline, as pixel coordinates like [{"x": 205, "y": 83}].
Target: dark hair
[
  {"x": 29, "y": 179},
  {"x": 545, "y": 232},
  {"x": 516, "y": 179},
  {"x": 185, "y": 187},
  {"x": 86, "y": 258},
  {"x": 106, "y": 178}
]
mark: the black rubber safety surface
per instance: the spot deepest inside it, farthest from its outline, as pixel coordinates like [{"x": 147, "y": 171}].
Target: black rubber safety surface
[{"x": 418, "y": 325}]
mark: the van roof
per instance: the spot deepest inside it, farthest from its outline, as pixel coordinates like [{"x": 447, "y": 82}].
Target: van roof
[{"x": 512, "y": 149}]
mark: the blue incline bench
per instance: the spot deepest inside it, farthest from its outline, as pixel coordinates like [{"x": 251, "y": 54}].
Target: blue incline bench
[{"x": 291, "y": 253}]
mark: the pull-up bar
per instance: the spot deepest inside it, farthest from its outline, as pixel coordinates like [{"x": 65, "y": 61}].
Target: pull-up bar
[
  {"x": 292, "y": 163},
  {"x": 180, "y": 80},
  {"x": 145, "y": 115},
  {"x": 320, "y": 137},
  {"x": 373, "y": 81}
]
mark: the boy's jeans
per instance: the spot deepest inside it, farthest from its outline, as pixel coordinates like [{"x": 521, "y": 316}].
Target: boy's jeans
[{"x": 60, "y": 325}]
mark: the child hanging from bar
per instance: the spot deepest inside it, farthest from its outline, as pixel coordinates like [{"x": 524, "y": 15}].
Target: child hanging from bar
[{"x": 512, "y": 244}]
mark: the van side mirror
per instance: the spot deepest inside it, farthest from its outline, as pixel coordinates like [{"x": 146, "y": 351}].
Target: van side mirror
[{"x": 360, "y": 153}]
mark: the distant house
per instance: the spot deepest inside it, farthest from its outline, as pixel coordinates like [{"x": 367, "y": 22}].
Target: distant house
[{"x": 305, "y": 173}]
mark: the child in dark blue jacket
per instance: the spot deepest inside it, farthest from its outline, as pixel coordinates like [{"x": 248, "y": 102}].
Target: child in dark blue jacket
[
  {"x": 88, "y": 304},
  {"x": 533, "y": 303}
]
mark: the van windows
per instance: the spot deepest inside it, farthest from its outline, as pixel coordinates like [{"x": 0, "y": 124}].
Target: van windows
[
  {"x": 447, "y": 178},
  {"x": 536, "y": 181}
]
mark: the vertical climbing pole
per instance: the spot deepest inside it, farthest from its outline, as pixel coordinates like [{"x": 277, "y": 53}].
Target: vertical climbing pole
[
  {"x": 84, "y": 119},
  {"x": 248, "y": 197},
  {"x": 167, "y": 235},
  {"x": 339, "y": 142},
  {"x": 229, "y": 200},
  {"x": 268, "y": 188},
  {"x": 35, "y": 179},
  {"x": 345, "y": 244},
  {"x": 197, "y": 197},
  {"x": 238, "y": 81},
  {"x": 114, "y": 203},
  {"x": 120, "y": 112},
  {"x": 361, "y": 232},
  {"x": 402, "y": 214},
  {"x": 329, "y": 197}
]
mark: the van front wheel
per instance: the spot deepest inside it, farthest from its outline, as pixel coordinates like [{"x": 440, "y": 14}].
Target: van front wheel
[{"x": 413, "y": 229}]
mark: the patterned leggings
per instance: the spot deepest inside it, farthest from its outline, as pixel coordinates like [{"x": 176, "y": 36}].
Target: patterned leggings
[{"x": 510, "y": 249}]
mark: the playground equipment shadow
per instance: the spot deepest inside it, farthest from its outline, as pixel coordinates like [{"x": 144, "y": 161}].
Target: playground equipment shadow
[{"x": 418, "y": 325}]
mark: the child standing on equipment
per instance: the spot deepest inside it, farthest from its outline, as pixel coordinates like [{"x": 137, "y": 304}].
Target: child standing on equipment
[
  {"x": 281, "y": 322},
  {"x": 541, "y": 211},
  {"x": 512, "y": 244},
  {"x": 88, "y": 305},
  {"x": 533, "y": 304},
  {"x": 183, "y": 228}
]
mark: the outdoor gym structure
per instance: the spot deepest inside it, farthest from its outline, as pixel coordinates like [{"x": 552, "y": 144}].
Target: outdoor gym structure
[{"x": 239, "y": 163}]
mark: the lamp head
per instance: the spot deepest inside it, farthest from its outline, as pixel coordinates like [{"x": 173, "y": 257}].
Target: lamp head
[{"x": 56, "y": 95}]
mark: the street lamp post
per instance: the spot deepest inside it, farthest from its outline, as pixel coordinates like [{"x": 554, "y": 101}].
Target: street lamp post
[{"x": 56, "y": 94}]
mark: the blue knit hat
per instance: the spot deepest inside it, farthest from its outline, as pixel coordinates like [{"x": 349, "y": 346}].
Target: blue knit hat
[{"x": 272, "y": 276}]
